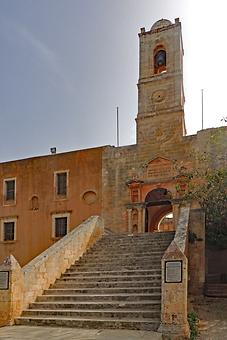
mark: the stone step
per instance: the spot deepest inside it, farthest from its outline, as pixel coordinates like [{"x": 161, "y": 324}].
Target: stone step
[
  {"x": 101, "y": 290},
  {"x": 122, "y": 272},
  {"x": 110, "y": 284},
  {"x": 136, "y": 245},
  {"x": 133, "y": 255},
  {"x": 143, "y": 235},
  {"x": 131, "y": 239},
  {"x": 116, "y": 261},
  {"x": 96, "y": 313},
  {"x": 106, "y": 278},
  {"x": 140, "y": 235},
  {"x": 140, "y": 324},
  {"x": 138, "y": 238},
  {"x": 116, "y": 284},
  {"x": 217, "y": 285},
  {"x": 120, "y": 257},
  {"x": 216, "y": 294},
  {"x": 121, "y": 251},
  {"x": 100, "y": 297},
  {"x": 216, "y": 289},
  {"x": 134, "y": 240},
  {"x": 109, "y": 267},
  {"x": 123, "y": 263},
  {"x": 150, "y": 305},
  {"x": 125, "y": 252}
]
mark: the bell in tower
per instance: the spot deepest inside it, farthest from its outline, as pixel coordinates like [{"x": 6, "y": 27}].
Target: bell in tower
[{"x": 160, "y": 87}]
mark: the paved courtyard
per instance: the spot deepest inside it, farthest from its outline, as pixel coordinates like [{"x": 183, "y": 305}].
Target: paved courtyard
[{"x": 56, "y": 333}]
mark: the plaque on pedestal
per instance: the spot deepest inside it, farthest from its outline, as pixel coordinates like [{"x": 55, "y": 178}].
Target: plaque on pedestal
[
  {"x": 4, "y": 280},
  {"x": 173, "y": 271}
]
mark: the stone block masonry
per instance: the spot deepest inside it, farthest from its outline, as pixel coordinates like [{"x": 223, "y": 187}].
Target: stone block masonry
[
  {"x": 175, "y": 279},
  {"x": 25, "y": 284}
]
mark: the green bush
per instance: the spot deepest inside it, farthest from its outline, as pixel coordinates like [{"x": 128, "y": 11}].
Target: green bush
[{"x": 193, "y": 325}]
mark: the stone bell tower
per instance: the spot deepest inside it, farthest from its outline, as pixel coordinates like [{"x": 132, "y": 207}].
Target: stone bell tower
[{"x": 160, "y": 88}]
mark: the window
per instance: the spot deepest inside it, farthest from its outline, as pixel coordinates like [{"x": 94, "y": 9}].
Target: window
[
  {"x": 9, "y": 189},
  {"x": 8, "y": 229},
  {"x": 135, "y": 195},
  {"x": 61, "y": 183},
  {"x": 60, "y": 225}
]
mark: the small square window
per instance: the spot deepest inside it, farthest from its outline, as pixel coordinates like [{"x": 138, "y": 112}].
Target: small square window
[
  {"x": 10, "y": 190},
  {"x": 60, "y": 226},
  {"x": 9, "y": 231}
]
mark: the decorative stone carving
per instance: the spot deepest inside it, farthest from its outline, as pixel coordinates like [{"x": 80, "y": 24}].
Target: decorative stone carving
[
  {"x": 89, "y": 197},
  {"x": 160, "y": 168},
  {"x": 34, "y": 203}
]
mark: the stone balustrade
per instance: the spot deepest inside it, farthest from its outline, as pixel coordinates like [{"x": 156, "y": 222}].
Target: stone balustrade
[
  {"x": 175, "y": 281},
  {"x": 23, "y": 285}
]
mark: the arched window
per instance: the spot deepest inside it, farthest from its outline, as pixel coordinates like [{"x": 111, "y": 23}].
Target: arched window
[
  {"x": 34, "y": 203},
  {"x": 159, "y": 60}
]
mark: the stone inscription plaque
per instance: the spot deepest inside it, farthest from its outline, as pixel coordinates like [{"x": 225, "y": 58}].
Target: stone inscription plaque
[
  {"x": 159, "y": 168},
  {"x": 4, "y": 280},
  {"x": 173, "y": 271}
]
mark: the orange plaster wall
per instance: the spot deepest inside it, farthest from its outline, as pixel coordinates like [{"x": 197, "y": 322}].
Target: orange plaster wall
[{"x": 35, "y": 176}]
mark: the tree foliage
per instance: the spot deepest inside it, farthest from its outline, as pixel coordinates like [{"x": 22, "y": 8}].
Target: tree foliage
[{"x": 209, "y": 188}]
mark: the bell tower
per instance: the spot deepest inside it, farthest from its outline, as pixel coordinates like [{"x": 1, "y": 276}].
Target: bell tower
[{"x": 160, "y": 87}]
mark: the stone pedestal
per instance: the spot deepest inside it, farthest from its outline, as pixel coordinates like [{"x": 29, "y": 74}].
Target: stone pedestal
[{"x": 11, "y": 291}]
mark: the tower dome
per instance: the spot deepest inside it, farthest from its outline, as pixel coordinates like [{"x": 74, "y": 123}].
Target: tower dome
[{"x": 161, "y": 23}]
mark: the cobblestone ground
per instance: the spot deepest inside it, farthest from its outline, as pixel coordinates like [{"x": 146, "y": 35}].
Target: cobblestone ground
[
  {"x": 212, "y": 313},
  {"x": 52, "y": 333}
]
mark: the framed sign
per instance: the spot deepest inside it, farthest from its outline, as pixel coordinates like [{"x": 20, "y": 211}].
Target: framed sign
[
  {"x": 173, "y": 271},
  {"x": 4, "y": 280}
]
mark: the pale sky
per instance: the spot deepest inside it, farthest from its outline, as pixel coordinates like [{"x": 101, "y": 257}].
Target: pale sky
[{"x": 66, "y": 64}]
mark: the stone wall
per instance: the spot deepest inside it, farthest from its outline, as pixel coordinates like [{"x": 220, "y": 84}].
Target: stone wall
[
  {"x": 120, "y": 165},
  {"x": 26, "y": 283},
  {"x": 196, "y": 250}
]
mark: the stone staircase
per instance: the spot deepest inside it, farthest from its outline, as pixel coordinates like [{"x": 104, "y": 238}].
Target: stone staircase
[
  {"x": 116, "y": 284},
  {"x": 216, "y": 290}
]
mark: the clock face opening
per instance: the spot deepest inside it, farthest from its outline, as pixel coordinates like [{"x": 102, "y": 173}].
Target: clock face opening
[{"x": 158, "y": 96}]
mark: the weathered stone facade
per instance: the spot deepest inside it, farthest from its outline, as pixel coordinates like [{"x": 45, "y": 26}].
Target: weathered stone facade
[
  {"x": 119, "y": 183},
  {"x": 162, "y": 148},
  {"x": 25, "y": 284}
]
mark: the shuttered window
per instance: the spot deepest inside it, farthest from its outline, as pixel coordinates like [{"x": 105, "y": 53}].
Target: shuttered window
[
  {"x": 10, "y": 190},
  {"x": 60, "y": 226},
  {"x": 9, "y": 231},
  {"x": 62, "y": 183}
]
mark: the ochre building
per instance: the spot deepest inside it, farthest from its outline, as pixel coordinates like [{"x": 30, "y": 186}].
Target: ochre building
[{"x": 134, "y": 188}]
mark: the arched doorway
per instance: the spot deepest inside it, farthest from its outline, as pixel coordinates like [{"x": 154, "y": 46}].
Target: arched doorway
[{"x": 158, "y": 206}]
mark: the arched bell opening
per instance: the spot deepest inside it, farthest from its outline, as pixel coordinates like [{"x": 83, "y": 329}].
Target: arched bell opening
[
  {"x": 158, "y": 206},
  {"x": 159, "y": 59}
]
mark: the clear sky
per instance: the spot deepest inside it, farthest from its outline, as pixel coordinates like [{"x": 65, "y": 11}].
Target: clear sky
[{"x": 66, "y": 64}]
